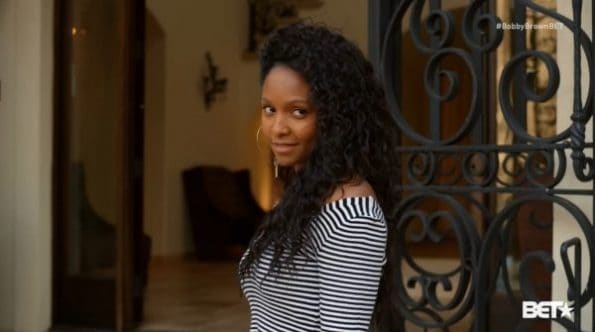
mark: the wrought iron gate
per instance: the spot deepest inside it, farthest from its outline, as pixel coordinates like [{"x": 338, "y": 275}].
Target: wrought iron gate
[{"x": 484, "y": 193}]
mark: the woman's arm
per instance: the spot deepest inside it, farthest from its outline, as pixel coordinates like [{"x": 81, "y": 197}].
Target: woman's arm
[{"x": 350, "y": 265}]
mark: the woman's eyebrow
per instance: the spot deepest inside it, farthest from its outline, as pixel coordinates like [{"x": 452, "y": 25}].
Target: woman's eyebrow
[
  {"x": 290, "y": 102},
  {"x": 297, "y": 100}
]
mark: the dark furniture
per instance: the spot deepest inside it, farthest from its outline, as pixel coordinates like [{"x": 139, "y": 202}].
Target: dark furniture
[{"x": 222, "y": 211}]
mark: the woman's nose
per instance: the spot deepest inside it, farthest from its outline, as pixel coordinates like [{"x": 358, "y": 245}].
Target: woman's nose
[{"x": 280, "y": 126}]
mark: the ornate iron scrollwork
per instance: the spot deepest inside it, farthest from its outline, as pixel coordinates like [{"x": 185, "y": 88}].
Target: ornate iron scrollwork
[{"x": 451, "y": 171}]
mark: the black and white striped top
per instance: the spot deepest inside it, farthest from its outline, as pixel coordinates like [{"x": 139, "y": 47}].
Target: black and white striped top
[{"x": 335, "y": 283}]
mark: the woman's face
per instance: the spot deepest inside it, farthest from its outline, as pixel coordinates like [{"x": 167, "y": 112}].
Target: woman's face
[{"x": 288, "y": 119}]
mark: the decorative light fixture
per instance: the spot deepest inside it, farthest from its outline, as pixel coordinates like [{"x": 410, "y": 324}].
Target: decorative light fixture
[
  {"x": 267, "y": 15},
  {"x": 212, "y": 85}
]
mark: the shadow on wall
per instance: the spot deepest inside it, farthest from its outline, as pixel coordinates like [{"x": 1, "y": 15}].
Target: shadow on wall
[{"x": 154, "y": 163}]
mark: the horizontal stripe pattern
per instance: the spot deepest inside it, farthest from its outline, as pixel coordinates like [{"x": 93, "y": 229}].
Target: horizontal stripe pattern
[{"x": 335, "y": 282}]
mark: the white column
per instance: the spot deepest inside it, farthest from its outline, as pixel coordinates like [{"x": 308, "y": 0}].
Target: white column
[{"x": 26, "y": 69}]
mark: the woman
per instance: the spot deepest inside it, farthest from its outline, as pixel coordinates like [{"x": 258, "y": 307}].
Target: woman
[{"x": 316, "y": 262}]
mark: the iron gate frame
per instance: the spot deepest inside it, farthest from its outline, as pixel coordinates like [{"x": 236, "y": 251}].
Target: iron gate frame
[{"x": 478, "y": 164}]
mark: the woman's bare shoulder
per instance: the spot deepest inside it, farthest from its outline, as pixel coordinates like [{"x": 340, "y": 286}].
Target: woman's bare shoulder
[{"x": 352, "y": 189}]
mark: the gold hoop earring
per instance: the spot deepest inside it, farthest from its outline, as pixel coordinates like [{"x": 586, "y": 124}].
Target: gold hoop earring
[{"x": 257, "y": 139}]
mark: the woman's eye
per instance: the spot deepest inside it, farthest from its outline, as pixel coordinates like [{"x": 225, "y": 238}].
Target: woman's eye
[
  {"x": 299, "y": 112},
  {"x": 268, "y": 109}
]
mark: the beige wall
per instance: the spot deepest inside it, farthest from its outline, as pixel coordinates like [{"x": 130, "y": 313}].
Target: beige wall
[
  {"x": 26, "y": 64},
  {"x": 224, "y": 135},
  {"x": 7, "y": 168},
  {"x": 565, "y": 226}
]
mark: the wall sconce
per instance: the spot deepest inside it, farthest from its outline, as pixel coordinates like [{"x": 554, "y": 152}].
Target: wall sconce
[{"x": 212, "y": 85}]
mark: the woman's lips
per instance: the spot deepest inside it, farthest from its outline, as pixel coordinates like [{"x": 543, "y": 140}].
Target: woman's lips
[{"x": 283, "y": 147}]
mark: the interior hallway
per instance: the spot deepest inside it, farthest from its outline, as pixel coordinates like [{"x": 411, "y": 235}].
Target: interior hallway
[{"x": 188, "y": 295}]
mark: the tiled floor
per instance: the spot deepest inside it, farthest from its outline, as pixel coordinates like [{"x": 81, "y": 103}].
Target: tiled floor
[{"x": 188, "y": 295}]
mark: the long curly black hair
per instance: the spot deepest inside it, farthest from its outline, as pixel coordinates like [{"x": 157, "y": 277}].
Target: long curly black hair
[{"x": 355, "y": 139}]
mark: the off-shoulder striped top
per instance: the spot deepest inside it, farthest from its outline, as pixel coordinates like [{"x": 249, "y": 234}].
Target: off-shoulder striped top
[{"x": 335, "y": 281}]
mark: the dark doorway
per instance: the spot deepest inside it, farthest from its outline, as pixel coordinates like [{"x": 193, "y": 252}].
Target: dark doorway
[{"x": 100, "y": 253}]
